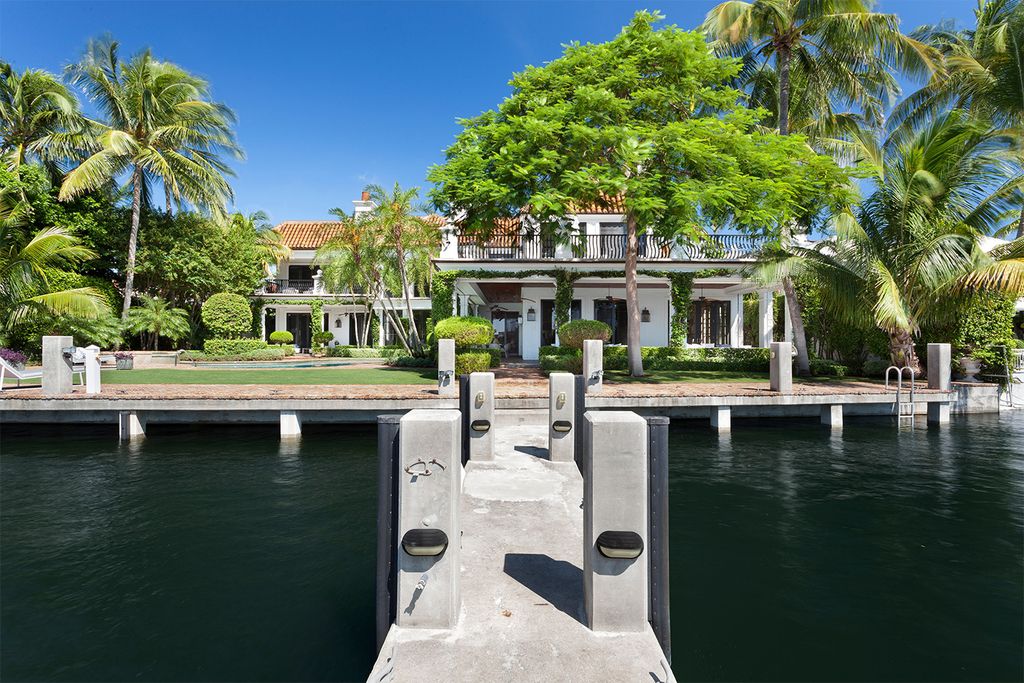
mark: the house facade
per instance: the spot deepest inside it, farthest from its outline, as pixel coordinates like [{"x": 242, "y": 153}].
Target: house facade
[{"x": 513, "y": 278}]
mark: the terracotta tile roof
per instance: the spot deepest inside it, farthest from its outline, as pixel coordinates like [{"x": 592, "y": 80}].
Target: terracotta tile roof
[
  {"x": 605, "y": 205},
  {"x": 307, "y": 234}
]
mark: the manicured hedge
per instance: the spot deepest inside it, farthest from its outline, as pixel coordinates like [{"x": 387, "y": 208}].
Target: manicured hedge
[
  {"x": 561, "y": 363},
  {"x": 272, "y": 353},
  {"x": 661, "y": 358},
  {"x": 412, "y": 362},
  {"x": 467, "y": 331},
  {"x": 227, "y": 315},
  {"x": 495, "y": 354},
  {"x": 472, "y": 361},
  {"x": 828, "y": 368},
  {"x": 366, "y": 351},
  {"x": 221, "y": 347},
  {"x": 281, "y": 337},
  {"x": 573, "y": 333}
]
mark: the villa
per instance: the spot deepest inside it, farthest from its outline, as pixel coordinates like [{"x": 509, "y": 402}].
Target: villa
[{"x": 510, "y": 279}]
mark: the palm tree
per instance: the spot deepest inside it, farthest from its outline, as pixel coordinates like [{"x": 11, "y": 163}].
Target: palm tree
[
  {"x": 836, "y": 51},
  {"x": 349, "y": 263},
  {"x": 157, "y": 318},
  {"x": 39, "y": 119},
  {"x": 24, "y": 261},
  {"x": 404, "y": 232},
  {"x": 159, "y": 124},
  {"x": 916, "y": 243},
  {"x": 260, "y": 230},
  {"x": 984, "y": 73}
]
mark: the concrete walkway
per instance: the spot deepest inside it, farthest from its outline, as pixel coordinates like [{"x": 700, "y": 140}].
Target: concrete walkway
[{"x": 522, "y": 585}]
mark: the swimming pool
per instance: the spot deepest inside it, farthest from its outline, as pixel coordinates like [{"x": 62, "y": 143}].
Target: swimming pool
[{"x": 281, "y": 364}]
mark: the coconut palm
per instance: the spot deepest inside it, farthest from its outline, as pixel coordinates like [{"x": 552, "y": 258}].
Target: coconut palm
[
  {"x": 404, "y": 232},
  {"x": 157, "y": 318},
  {"x": 257, "y": 227},
  {"x": 159, "y": 123},
  {"x": 39, "y": 119},
  {"x": 836, "y": 51},
  {"x": 984, "y": 73},
  {"x": 349, "y": 262},
  {"x": 917, "y": 242},
  {"x": 24, "y": 261}
]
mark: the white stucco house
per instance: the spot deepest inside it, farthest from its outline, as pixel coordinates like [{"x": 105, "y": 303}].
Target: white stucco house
[{"x": 510, "y": 278}]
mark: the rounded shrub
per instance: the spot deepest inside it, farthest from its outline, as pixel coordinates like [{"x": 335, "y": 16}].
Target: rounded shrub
[
  {"x": 467, "y": 331},
  {"x": 473, "y": 361},
  {"x": 227, "y": 315},
  {"x": 281, "y": 337},
  {"x": 322, "y": 338},
  {"x": 573, "y": 333}
]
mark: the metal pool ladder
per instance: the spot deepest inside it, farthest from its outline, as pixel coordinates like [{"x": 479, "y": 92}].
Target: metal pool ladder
[{"x": 904, "y": 408}]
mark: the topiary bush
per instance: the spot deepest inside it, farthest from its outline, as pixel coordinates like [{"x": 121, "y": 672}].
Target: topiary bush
[
  {"x": 573, "y": 333},
  {"x": 281, "y": 337},
  {"x": 466, "y": 331},
  {"x": 322, "y": 338},
  {"x": 472, "y": 361},
  {"x": 227, "y": 315},
  {"x": 226, "y": 347}
]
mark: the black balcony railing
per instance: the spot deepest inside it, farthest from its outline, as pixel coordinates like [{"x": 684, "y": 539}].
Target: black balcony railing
[
  {"x": 527, "y": 247},
  {"x": 288, "y": 287}
]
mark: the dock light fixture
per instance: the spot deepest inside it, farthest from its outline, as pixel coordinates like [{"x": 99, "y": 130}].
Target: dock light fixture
[
  {"x": 562, "y": 426},
  {"x": 479, "y": 398},
  {"x": 645, "y": 315},
  {"x": 480, "y": 425},
  {"x": 620, "y": 545},
  {"x": 531, "y": 314},
  {"x": 560, "y": 400},
  {"x": 424, "y": 542}
]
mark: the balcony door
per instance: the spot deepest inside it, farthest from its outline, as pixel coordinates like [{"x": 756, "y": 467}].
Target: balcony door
[
  {"x": 710, "y": 322},
  {"x": 612, "y": 312}
]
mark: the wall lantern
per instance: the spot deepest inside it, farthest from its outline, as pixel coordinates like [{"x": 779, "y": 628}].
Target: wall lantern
[
  {"x": 562, "y": 426},
  {"x": 531, "y": 314},
  {"x": 424, "y": 542},
  {"x": 620, "y": 545},
  {"x": 645, "y": 315},
  {"x": 337, "y": 321},
  {"x": 480, "y": 425}
]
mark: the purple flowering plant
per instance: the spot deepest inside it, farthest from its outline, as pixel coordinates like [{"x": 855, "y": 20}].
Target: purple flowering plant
[{"x": 13, "y": 357}]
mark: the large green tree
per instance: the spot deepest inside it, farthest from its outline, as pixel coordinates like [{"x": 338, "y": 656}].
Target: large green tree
[
  {"x": 904, "y": 256},
  {"x": 648, "y": 119},
  {"x": 39, "y": 119},
  {"x": 159, "y": 123},
  {"x": 810, "y": 64}
]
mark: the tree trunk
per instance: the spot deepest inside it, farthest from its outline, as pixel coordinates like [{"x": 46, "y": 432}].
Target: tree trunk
[
  {"x": 133, "y": 239},
  {"x": 167, "y": 196},
  {"x": 783, "y": 59},
  {"x": 1020, "y": 224},
  {"x": 414, "y": 336},
  {"x": 636, "y": 363},
  {"x": 803, "y": 363},
  {"x": 901, "y": 351}
]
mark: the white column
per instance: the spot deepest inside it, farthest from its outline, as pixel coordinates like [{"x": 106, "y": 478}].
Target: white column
[
  {"x": 736, "y": 329},
  {"x": 280, "y": 319},
  {"x": 380, "y": 328},
  {"x": 766, "y": 317},
  {"x": 780, "y": 375},
  {"x": 263, "y": 323}
]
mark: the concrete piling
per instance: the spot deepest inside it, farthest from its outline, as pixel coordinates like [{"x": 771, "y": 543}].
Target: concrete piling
[
  {"x": 615, "y": 522},
  {"x": 291, "y": 424},
  {"x": 593, "y": 365},
  {"x": 131, "y": 425},
  {"x": 428, "y": 548},
  {"x": 57, "y": 377},
  {"x": 445, "y": 367},
  {"x": 721, "y": 419},
  {"x": 780, "y": 368},
  {"x": 481, "y": 416},
  {"x": 562, "y": 417},
  {"x": 832, "y": 415}
]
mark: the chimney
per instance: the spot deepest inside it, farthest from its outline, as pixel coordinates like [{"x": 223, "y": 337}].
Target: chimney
[{"x": 363, "y": 204}]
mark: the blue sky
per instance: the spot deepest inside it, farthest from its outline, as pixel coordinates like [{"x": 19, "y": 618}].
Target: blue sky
[{"x": 333, "y": 95}]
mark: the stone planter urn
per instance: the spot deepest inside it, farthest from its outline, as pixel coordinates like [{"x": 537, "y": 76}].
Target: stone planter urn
[
  {"x": 125, "y": 363},
  {"x": 970, "y": 367}
]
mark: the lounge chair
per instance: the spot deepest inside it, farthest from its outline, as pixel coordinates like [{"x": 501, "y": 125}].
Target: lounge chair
[{"x": 8, "y": 370}]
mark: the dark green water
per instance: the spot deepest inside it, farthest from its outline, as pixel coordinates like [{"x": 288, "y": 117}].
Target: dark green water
[{"x": 216, "y": 555}]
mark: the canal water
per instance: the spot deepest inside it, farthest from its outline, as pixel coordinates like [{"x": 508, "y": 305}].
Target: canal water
[{"x": 218, "y": 554}]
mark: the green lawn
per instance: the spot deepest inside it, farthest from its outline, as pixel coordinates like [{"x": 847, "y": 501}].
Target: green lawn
[
  {"x": 272, "y": 376},
  {"x": 702, "y": 376}
]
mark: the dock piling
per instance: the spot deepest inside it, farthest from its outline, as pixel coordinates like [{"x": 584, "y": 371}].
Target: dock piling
[
  {"x": 561, "y": 417},
  {"x": 387, "y": 518},
  {"x": 481, "y": 416},
  {"x": 657, "y": 531}
]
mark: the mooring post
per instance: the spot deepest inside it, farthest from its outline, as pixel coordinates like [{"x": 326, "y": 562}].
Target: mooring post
[
  {"x": 57, "y": 378},
  {"x": 780, "y": 367},
  {"x": 464, "y": 399},
  {"x": 445, "y": 367},
  {"x": 593, "y": 364},
  {"x": 130, "y": 425},
  {"x": 387, "y": 518},
  {"x": 561, "y": 417},
  {"x": 428, "y": 545},
  {"x": 939, "y": 377},
  {"x": 481, "y": 416},
  {"x": 615, "y": 522},
  {"x": 657, "y": 531}
]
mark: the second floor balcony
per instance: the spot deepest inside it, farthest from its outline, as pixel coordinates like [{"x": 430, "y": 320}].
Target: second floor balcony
[{"x": 525, "y": 246}]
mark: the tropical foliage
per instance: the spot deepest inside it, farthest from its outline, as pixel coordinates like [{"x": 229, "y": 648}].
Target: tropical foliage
[{"x": 156, "y": 318}]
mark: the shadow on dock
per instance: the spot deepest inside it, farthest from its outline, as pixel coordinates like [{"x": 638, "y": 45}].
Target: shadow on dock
[{"x": 558, "y": 582}]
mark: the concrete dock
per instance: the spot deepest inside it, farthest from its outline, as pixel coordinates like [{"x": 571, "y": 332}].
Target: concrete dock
[{"x": 522, "y": 615}]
